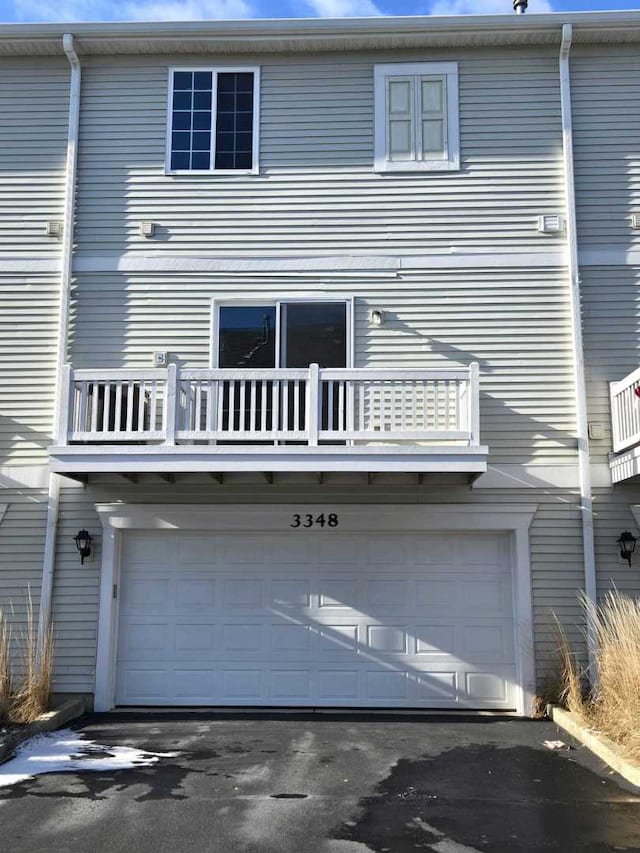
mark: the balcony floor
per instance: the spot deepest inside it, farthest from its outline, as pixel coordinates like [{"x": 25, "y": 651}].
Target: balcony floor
[{"x": 140, "y": 459}]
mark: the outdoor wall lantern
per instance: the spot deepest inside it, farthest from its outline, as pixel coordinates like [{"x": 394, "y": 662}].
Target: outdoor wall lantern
[
  {"x": 627, "y": 543},
  {"x": 376, "y": 317},
  {"x": 83, "y": 540}
]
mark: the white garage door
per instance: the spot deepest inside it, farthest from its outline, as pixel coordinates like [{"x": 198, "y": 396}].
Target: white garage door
[{"x": 323, "y": 619}]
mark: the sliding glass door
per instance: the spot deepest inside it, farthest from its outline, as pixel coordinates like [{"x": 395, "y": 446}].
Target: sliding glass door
[{"x": 284, "y": 335}]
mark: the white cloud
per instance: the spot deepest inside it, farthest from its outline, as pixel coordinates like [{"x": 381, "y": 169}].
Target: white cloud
[
  {"x": 131, "y": 10},
  {"x": 484, "y": 7},
  {"x": 343, "y": 8}
]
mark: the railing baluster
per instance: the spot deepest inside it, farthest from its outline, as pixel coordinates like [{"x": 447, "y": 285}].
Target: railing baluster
[
  {"x": 129, "y": 406},
  {"x": 232, "y": 406},
  {"x": 243, "y": 391},
  {"x": 296, "y": 404},
  {"x": 284, "y": 387},
  {"x": 263, "y": 406},
  {"x": 94, "y": 407},
  {"x": 117, "y": 408},
  {"x": 341, "y": 417},
  {"x": 142, "y": 390},
  {"x": 275, "y": 389},
  {"x": 106, "y": 403},
  {"x": 329, "y": 387},
  {"x": 253, "y": 414},
  {"x": 447, "y": 407}
]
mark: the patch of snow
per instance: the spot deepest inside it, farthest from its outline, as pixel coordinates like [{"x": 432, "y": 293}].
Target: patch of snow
[{"x": 66, "y": 751}]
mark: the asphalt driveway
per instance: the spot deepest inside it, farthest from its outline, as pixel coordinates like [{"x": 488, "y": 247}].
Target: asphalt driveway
[{"x": 325, "y": 784}]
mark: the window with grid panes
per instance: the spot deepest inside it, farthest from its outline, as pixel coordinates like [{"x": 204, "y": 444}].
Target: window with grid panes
[{"x": 212, "y": 120}]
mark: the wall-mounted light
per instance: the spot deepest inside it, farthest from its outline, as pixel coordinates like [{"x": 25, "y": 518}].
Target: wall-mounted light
[
  {"x": 376, "y": 317},
  {"x": 627, "y": 542},
  {"x": 83, "y": 540}
]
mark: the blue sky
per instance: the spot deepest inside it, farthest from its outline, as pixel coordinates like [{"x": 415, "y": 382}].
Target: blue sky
[{"x": 180, "y": 10}]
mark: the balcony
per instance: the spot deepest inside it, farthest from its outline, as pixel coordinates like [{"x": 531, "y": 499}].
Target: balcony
[
  {"x": 316, "y": 420},
  {"x": 625, "y": 425}
]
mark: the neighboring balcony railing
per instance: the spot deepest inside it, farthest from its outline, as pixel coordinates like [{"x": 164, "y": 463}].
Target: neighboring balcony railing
[
  {"x": 308, "y": 406},
  {"x": 625, "y": 411}
]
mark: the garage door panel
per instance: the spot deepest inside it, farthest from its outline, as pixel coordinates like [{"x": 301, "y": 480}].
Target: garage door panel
[
  {"x": 242, "y": 637},
  {"x": 290, "y": 593},
  {"x": 305, "y": 629},
  {"x": 337, "y": 594},
  {"x": 194, "y": 638},
  {"x": 146, "y": 593},
  {"x": 436, "y": 686},
  {"x": 242, "y": 684},
  {"x": 242, "y": 594},
  {"x": 337, "y": 640},
  {"x": 293, "y": 685},
  {"x": 433, "y": 640}
]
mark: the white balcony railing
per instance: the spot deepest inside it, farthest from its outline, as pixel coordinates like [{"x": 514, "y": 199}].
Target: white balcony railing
[
  {"x": 625, "y": 411},
  {"x": 175, "y": 406}
]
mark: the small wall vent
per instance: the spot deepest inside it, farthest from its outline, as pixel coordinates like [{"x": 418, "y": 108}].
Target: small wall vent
[{"x": 550, "y": 224}]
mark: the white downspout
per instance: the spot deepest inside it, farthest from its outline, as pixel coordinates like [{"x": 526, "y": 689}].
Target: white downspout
[
  {"x": 584, "y": 465},
  {"x": 63, "y": 330}
]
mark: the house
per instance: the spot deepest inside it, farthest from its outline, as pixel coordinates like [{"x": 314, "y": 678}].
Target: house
[{"x": 292, "y": 330}]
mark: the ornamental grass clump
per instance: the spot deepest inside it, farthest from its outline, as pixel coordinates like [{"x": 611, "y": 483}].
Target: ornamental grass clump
[
  {"x": 30, "y": 698},
  {"x": 612, "y": 705}
]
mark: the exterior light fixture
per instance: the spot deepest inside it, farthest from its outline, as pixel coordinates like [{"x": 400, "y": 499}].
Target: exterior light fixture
[
  {"x": 627, "y": 542},
  {"x": 376, "y": 317},
  {"x": 83, "y": 540}
]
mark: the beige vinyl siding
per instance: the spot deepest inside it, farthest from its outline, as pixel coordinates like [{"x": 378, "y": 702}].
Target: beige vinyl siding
[
  {"x": 605, "y": 84},
  {"x": 610, "y": 305},
  {"x": 557, "y": 572},
  {"x": 612, "y": 516},
  {"x": 34, "y": 105},
  {"x": 28, "y": 336},
  {"x": 317, "y": 192},
  {"x": 22, "y": 533}
]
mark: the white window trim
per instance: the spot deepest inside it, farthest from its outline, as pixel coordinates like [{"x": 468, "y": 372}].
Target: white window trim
[
  {"x": 447, "y": 69},
  {"x": 216, "y": 304},
  {"x": 215, "y": 69}
]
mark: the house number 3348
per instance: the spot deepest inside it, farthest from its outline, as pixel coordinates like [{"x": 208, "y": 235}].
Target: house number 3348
[{"x": 309, "y": 520}]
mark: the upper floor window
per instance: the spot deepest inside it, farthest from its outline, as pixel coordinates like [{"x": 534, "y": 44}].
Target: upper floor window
[
  {"x": 213, "y": 120},
  {"x": 416, "y": 116}
]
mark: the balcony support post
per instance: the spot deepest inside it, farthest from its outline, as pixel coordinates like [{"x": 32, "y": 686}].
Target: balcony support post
[
  {"x": 171, "y": 405},
  {"x": 314, "y": 412},
  {"x": 474, "y": 404},
  {"x": 66, "y": 397}
]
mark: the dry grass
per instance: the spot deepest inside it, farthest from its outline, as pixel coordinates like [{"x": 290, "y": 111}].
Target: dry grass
[
  {"x": 571, "y": 691},
  {"x": 31, "y": 696},
  {"x": 613, "y": 705},
  {"x": 25, "y": 696},
  {"x": 5, "y": 669}
]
